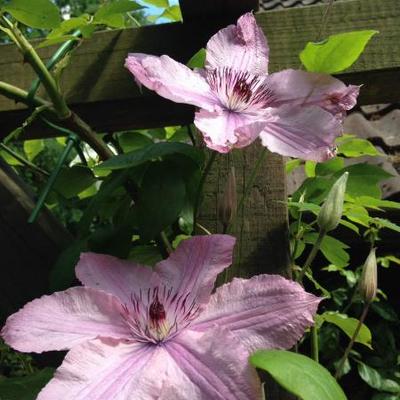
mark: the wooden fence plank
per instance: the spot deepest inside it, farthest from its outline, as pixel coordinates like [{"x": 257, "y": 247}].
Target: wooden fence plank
[
  {"x": 96, "y": 80},
  {"x": 28, "y": 251}
]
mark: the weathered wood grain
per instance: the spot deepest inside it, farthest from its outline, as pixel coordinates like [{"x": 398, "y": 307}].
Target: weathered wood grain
[
  {"x": 96, "y": 79},
  {"x": 28, "y": 251}
]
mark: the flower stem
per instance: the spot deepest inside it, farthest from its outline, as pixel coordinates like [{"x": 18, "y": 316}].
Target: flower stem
[
  {"x": 20, "y": 95},
  {"x": 314, "y": 343},
  {"x": 23, "y": 161},
  {"x": 41, "y": 70},
  {"x": 248, "y": 187},
  {"x": 166, "y": 242},
  {"x": 203, "y": 178},
  {"x": 311, "y": 256},
  {"x": 352, "y": 341}
]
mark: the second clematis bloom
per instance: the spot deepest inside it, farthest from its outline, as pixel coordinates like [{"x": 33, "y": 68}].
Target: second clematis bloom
[
  {"x": 140, "y": 333},
  {"x": 295, "y": 113}
]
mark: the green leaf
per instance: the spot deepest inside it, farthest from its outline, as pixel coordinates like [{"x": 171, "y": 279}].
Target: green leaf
[
  {"x": 309, "y": 168},
  {"x": 372, "y": 202},
  {"x": 173, "y": 13},
  {"x": 337, "y": 53},
  {"x": 161, "y": 198},
  {"x": 33, "y": 147},
  {"x": 41, "y": 14},
  {"x": 157, "y": 3},
  {"x": 145, "y": 254},
  {"x": 74, "y": 180},
  {"x": 25, "y": 388},
  {"x": 330, "y": 166},
  {"x": 198, "y": 60},
  {"x": 131, "y": 141},
  {"x": 151, "y": 152},
  {"x": 363, "y": 179},
  {"x": 374, "y": 379},
  {"x": 298, "y": 374},
  {"x": 384, "y": 223},
  {"x": 357, "y": 214},
  {"x": 357, "y": 148},
  {"x": 291, "y": 165},
  {"x": 333, "y": 249},
  {"x": 63, "y": 272},
  {"x": 348, "y": 326},
  {"x": 112, "y": 12},
  {"x": 69, "y": 25}
]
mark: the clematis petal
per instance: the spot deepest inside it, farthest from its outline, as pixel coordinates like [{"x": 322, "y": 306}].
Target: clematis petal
[
  {"x": 109, "y": 369},
  {"x": 118, "y": 277},
  {"x": 307, "y": 88},
  {"x": 242, "y": 47},
  {"x": 65, "y": 319},
  {"x": 303, "y": 132},
  {"x": 225, "y": 130},
  {"x": 266, "y": 311},
  {"x": 218, "y": 372},
  {"x": 171, "y": 80},
  {"x": 97, "y": 370},
  {"x": 194, "y": 265}
]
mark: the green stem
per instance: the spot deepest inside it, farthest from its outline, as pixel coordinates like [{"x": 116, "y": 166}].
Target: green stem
[
  {"x": 203, "y": 178},
  {"x": 352, "y": 341},
  {"x": 52, "y": 179},
  {"x": 166, "y": 242},
  {"x": 314, "y": 343},
  {"x": 41, "y": 70},
  {"x": 311, "y": 256},
  {"x": 20, "y": 95},
  {"x": 203, "y": 228},
  {"x": 23, "y": 161}
]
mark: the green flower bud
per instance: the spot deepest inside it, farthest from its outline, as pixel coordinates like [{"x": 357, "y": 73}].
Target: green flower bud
[
  {"x": 332, "y": 209},
  {"x": 228, "y": 204},
  {"x": 369, "y": 278}
]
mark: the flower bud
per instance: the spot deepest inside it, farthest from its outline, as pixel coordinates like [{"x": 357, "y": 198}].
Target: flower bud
[
  {"x": 228, "y": 204},
  {"x": 369, "y": 278},
  {"x": 332, "y": 209}
]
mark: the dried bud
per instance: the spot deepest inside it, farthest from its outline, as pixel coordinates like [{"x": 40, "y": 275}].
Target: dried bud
[
  {"x": 369, "y": 278},
  {"x": 228, "y": 204},
  {"x": 332, "y": 209}
]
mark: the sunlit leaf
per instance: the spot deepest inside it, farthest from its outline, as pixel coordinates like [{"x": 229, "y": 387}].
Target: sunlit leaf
[
  {"x": 173, "y": 13},
  {"x": 33, "y": 147},
  {"x": 298, "y": 374},
  {"x": 337, "y": 53},
  {"x": 42, "y": 14},
  {"x": 198, "y": 60},
  {"x": 157, "y": 3},
  {"x": 112, "y": 12}
]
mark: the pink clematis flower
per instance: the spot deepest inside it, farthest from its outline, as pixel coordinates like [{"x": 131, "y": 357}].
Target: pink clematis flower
[
  {"x": 139, "y": 333},
  {"x": 295, "y": 113}
]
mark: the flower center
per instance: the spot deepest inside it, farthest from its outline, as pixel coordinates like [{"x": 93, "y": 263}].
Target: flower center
[
  {"x": 238, "y": 90},
  {"x": 158, "y": 314}
]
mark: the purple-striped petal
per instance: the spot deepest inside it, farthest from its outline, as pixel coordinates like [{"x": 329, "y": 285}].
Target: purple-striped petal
[
  {"x": 103, "y": 369},
  {"x": 65, "y": 319},
  {"x": 306, "y": 88},
  {"x": 303, "y": 132},
  {"x": 171, "y": 80},
  {"x": 217, "y": 364},
  {"x": 119, "y": 277},
  {"x": 242, "y": 47},
  {"x": 264, "y": 312},
  {"x": 225, "y": 130},
  {"x": 193, "y": 267}
]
